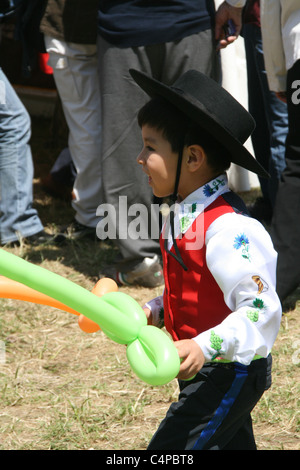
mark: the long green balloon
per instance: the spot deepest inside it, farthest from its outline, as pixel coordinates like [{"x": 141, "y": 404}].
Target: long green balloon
[
  {"x": 151, "y": 354},
  {"x": 69, "y": 293}
]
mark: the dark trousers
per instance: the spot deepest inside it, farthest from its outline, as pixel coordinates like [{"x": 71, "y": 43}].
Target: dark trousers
[
  {"x": 213, "y": 410},
  {"x": 285, "y": 228},
  {"x": 270, "y": 114}
]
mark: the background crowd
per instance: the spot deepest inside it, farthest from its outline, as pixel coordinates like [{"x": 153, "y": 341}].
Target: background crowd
[{"x": 91, "y": 46}]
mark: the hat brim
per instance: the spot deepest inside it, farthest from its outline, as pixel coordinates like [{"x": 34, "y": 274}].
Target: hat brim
[{"x": 196, "y": 111}]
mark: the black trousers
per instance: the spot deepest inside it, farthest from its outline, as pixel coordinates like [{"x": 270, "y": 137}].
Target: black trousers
[
  {"x": 213, "y": 410},
  {"x": 285, "y": 228}
]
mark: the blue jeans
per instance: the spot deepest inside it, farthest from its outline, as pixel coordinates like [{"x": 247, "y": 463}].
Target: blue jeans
[
  {"x": 18, "y": 218},
  {"x": 270, "y": 114}
]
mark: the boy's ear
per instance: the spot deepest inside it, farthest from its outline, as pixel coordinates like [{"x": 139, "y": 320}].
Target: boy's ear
[{"x": 195, "y": 158}]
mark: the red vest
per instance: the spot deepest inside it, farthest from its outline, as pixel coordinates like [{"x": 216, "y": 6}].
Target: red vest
[{"x": 193, "y": 301}]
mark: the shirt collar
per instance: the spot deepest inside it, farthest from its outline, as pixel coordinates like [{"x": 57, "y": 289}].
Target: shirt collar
[
  {"x": 194, "y": 204},
  {"x": 209, "y": 192},
  {"x": 198, "y": 200}
]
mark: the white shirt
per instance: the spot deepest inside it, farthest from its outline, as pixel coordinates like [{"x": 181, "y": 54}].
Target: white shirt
[
  {"x": 241, "y": 258},
  {"x": 280, "y": 27}
]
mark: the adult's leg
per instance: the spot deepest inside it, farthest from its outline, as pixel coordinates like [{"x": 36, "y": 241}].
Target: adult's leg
[
  {"x": 18, "y": 219},
  {"x": 277, "y": 121},
  {"x": 285, "y": 228},
  {"x": 269, "y": 113},
  {"x": 75, "y": 70},
  {"x": 122, "y": 142}
]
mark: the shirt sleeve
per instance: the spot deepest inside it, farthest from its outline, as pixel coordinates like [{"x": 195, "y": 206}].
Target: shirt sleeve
[{"x": 241, "y": 257}]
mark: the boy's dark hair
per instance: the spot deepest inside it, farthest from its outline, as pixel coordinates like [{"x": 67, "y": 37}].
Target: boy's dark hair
[{"x": 179, "y": 130}]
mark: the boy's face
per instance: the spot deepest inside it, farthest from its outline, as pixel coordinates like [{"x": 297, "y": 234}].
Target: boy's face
[{"x": 159, "y": 162}]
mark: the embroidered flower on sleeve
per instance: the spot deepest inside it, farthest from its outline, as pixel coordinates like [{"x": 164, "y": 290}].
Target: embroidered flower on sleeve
[
  {"x": 254, "y": 312},
  {"x": 216, "y": 343},
  {"x": 253, "y": 315},
  {"x": 241, "y": 241},
  {"x": 259, "y": 303}
]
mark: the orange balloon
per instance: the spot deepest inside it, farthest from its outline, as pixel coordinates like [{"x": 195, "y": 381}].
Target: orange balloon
[
  {"x": 15, "y": 290},
  {"x": 10, "y": 289},
  {"x": 103, "y": 286}
]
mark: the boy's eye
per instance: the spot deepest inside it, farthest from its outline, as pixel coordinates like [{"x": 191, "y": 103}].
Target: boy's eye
[{"x": 149, "y": 148}]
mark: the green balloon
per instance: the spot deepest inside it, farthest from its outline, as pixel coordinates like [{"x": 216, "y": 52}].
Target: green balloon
[
  {"x": 59, "y": 288},
  {"x": 150, "y": 352},
  {"x": 129, "y": 312},
  {"x": 153, "y": 356}
]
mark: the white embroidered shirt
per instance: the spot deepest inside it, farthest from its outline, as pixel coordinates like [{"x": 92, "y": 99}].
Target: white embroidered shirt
[{"x": 241, "y": 258}]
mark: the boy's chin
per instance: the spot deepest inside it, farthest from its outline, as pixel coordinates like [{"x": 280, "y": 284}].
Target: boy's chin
[{"x": 160, "y": 195}]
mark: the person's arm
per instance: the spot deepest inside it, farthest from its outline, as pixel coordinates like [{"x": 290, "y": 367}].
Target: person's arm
[
  {"x": 228, "y": 16},
  {"x": 241, "y": 257}
]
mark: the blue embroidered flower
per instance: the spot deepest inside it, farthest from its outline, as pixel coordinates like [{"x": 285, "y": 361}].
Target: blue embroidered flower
[
  {"x": 241, "y": 241},
  {"x": 208, "y": 190}
]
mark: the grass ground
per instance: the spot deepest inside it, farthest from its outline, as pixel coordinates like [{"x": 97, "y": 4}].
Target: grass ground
[{"x": 63, "y": 389}]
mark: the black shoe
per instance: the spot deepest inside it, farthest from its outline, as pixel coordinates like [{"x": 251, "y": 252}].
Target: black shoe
[
  {"x": 75, "y": 231},
  {"x": 40, "y": 238}
]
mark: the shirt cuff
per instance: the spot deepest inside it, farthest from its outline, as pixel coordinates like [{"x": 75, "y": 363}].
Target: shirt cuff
[
  {"x": 157, "y": 309},
  {"x": 203, "y": 341}
]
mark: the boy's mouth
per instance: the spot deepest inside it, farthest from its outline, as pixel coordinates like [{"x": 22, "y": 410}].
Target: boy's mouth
[{"x": 149, "y": 177}]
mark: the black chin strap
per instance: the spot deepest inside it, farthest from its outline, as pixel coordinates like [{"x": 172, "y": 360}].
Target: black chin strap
[{"x": 177, "y": 254}]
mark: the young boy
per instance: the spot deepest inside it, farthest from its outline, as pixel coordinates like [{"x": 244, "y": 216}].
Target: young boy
[{"x": 219, "y": 302}]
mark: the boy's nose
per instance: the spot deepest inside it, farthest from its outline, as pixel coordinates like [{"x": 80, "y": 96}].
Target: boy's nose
[{"x": 140, "y": 158}]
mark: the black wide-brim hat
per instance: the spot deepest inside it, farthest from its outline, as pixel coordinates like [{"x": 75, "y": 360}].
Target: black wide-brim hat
[{"x": 216, "y": 111}]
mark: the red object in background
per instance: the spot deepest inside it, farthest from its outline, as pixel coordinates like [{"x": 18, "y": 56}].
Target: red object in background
[{"x": 43, "y": 63}]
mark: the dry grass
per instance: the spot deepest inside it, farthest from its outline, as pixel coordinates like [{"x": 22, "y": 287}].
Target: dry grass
[{"x": 63, "y": 389}]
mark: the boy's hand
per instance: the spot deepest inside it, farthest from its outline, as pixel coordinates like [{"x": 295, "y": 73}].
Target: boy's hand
[
  {"x": 148, "y": 314},
  {"x": 225, "y": 14},
  {"x": 192, "y": 358}
]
